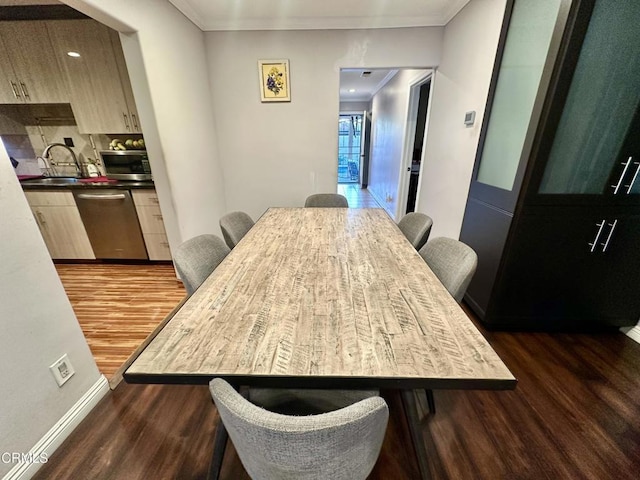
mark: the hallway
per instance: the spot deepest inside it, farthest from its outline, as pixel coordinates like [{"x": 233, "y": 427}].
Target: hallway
[{"x": 356, "y": 196}]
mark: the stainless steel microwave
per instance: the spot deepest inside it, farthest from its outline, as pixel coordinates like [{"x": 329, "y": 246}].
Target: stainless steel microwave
[{"x": 126, "y": 164}]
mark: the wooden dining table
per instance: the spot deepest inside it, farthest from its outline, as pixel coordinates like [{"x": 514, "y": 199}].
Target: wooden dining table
[{"x": 324, "y": 298}]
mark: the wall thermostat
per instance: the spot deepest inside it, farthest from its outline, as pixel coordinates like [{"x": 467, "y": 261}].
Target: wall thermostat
[{"x": 469, "y": 118}]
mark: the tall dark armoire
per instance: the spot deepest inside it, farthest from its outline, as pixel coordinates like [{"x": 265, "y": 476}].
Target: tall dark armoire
[{"x": 554, "y": 213}]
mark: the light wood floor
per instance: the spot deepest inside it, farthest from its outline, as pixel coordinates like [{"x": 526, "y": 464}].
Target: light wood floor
[
  {"x": 356, "y": 196},
  {"x": 118, "y": 306}
]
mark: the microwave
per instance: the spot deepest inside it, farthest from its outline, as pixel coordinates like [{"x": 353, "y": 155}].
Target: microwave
[{"x": 126, "y": 164}]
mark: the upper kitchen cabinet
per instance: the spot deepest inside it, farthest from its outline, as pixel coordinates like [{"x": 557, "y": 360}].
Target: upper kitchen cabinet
[
  {"x": 29, "y": 71},
  {"x": 99, "y": 85}
]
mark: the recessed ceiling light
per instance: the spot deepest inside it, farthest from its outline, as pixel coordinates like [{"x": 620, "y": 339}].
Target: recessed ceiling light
[
  {"x": 351, "y": 90},
  {"x": 73, "y": 54}
]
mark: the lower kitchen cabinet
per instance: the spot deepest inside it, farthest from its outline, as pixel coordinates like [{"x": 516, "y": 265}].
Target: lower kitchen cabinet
[
  {"x": 151, "y": 224},
  {"x": 60, "y": 224}
]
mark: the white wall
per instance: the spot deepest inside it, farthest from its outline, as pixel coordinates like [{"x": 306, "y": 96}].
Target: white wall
[
  {"x": 350, "y": 107},
  {"x": 167, "y": 65},
  {"x": 38, "y": 326},
  {"x": 461, "y": 84},
  {"x": 276, "y": 154},
  {"x": 390, "y": 110}
]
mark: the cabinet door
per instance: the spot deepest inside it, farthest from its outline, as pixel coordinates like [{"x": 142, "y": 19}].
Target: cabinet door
[
  {"x": 126, "y": 83},
  {"x": 589, "y": 148},
  {"x": 38, "y": 76},
  {"x": 97, "y": 98},
  {"x": 63, "y": 232},
  {"x": 9, "y": 88},
  {"x": 577, "y": 267}
]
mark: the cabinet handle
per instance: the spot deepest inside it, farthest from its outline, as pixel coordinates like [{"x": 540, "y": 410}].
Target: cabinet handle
[
  {"x": 158, "y": 216},
  {"x": 135, "y": 122},
  {"x": 595, "y": 240},
  {"x": 605, "y": 245},
  {"x": 633, "y": 180},
  {"x": 41, "y": 219},
  {"x": 104, "y": 196},
  {"x": 14, "y": 87},
  {"x": 165, "y": 244},
  {"x": 126, "y": 122},
  {"x": 25, "y": 92},
  {"x": 626, "y": 164}
]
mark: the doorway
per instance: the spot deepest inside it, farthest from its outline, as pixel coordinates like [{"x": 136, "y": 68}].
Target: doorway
[
  {"x": 420, "y": 121},
  {"x": 349, "y": 147}
]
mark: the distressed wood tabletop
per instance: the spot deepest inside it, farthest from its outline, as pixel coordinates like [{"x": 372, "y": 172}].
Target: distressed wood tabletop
[{"x": 324, "y": 297}]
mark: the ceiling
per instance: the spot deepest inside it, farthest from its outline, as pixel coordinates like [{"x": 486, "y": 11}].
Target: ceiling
[
  {"x": 212, "y": 15},
  {"x": 363, "y": 86}
]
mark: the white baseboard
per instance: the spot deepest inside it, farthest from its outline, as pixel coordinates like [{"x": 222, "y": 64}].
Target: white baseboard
[
  {"x": 633, "y": 332},
  {"x": 382, "y": 203},
  {"x": 60, "y": 431}
]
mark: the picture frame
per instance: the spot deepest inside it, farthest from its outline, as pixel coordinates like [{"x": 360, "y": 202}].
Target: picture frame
[{"x": 274, "y": 80}]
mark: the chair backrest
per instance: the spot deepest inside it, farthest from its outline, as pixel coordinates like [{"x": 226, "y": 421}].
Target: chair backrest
[
  {"x": 234, "y": 226},
  {"x": 416, "y": 227},
  {"x": 196, "y": 258},
  {"x": 453, "y": 262},
  {"x": 332, "y": 200},
  {"x": 343, "y": 444}
]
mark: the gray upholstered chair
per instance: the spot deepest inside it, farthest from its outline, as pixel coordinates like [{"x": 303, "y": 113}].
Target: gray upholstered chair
[
  {"x": 289, "y": 401},
  {"x": 196, "y": 258},
  {"x": 343, "y": 444},
  {"x": 234, "y": 226},
  {"x": 416, "y": 227},
  {"x": 453, "y": 262},
  {"x": 333, "y": 200}
]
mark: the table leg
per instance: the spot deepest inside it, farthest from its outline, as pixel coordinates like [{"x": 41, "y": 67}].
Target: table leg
[
  {"x": 431, "y": 402},
  {"x": 219, "y": 445},
  {"x": 413, "y": 421}
]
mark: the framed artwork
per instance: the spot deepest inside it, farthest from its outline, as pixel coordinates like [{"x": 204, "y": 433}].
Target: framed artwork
[{"x": 274, "y": 80}]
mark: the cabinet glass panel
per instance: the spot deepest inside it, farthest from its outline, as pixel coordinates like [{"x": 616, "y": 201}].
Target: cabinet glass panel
[
  {"x": 600, "y": 106},
  {"x": 525, "y": 53}
]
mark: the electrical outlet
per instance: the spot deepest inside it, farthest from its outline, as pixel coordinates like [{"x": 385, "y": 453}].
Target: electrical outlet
[{"x": 62, "y": 370}]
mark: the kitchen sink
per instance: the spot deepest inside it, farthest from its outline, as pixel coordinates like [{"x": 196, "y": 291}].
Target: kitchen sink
[{"x": 51, "y": 181}]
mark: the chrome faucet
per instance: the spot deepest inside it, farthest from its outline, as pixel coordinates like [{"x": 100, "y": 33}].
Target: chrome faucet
[{"x": 45, "y": 156}]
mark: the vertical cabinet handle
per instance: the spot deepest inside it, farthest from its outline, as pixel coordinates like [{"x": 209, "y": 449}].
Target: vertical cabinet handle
[
  {"x": 126, "y": 122},
  {"x": 40, "y": 219},
  {"x": 25, "y": 92},
  {"x": 16, "y": 92},
  {"x": 600, "y": 226},
  {"x": 626, "y": 164},
  {"x": 135, "y": 122},
  {"x": 633, "y": 180},
  {"x": 605, "y": 245}
]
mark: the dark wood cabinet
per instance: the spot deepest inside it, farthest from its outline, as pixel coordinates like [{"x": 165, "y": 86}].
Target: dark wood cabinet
[{"x": 559, "y": 250}]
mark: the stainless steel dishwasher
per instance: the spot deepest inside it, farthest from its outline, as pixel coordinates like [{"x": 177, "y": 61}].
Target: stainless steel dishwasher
[{"x": 111, "y": 221}]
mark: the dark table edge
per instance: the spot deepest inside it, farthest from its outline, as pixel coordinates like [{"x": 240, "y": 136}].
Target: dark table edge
[{"x": 274, "y": 381}]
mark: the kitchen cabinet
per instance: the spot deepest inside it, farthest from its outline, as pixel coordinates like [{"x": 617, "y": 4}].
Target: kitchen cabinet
[
  {"x": 564, "y": 254},
  {"x": 152, "y": 224},
  {"x": 29, "y": 71},
  {"x": 60, "y": 224},
  {"x": 99, "y": 86}
]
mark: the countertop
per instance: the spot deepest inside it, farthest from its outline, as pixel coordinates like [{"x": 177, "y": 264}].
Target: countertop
[{"x": 55, "y": 183}]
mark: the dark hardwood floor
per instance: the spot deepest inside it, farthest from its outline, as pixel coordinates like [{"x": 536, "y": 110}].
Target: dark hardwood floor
[{"x": 575, "y": 414}]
